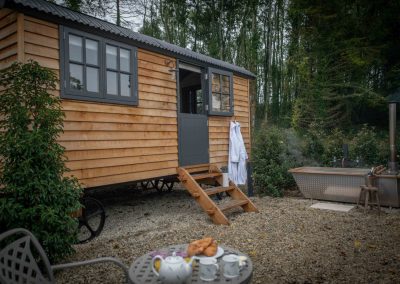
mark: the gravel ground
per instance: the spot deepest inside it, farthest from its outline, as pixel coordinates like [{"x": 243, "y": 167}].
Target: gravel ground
[{"x": 287, "y": 241}]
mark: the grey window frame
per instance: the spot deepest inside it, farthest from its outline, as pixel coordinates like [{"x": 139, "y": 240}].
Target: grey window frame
[
  {"x": 101, "y": 96},
  {"x": 210, "y": 108}
]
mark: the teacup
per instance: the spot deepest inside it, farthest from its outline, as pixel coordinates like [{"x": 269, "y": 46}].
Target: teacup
[
  {"x": 208, "y": 268},
  {"x": 232, "y": 265}
]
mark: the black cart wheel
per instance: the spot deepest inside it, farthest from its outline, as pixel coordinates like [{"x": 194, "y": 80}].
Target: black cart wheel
[{"x": 91, "y": 222}]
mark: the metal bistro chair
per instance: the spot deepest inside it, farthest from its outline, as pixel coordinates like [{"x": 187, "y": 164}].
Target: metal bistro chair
[{"x": 19, "y": 265}]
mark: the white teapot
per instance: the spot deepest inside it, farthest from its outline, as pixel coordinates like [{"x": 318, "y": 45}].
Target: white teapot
[{"x": 173, "y": 269}]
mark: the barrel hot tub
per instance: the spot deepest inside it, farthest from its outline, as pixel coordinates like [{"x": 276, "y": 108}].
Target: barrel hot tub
[{"x": 343, "y": 184}]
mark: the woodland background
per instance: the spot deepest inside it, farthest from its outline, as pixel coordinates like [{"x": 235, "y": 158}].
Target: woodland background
[
  {"x": 324, "y": 68},
  {"x": 328, "y": 62}
]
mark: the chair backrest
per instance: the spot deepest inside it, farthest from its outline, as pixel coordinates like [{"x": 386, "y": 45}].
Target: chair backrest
[{"x": 17, "y": 263}]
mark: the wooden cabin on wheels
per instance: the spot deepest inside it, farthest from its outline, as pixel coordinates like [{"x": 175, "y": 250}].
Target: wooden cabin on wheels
[{"x": 136, "y": 108}]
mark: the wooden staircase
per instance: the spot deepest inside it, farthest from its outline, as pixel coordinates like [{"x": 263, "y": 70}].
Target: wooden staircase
[{"x": 192, "y": 177}]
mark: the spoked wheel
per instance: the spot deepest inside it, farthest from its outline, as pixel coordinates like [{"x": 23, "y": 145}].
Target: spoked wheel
[{"x": 91, "y": 222}]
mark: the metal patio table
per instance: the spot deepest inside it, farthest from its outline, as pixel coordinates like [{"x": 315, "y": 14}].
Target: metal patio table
[{"x": 141, "y": 271}]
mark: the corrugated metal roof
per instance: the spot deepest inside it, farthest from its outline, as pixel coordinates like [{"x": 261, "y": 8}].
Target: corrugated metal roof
[{"x": 69, "y": 15}]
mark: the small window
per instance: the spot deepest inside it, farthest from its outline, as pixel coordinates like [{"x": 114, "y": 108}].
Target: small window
[
  {"x": 221, "y": 92},
  {"x": 98, "y": 69}
]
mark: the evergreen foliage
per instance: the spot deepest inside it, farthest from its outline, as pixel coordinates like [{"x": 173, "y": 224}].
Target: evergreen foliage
[
  {"x": 369, "y": 148},
  {"x": 326, "y": 63},
  {"x": 366, "y": 145},
  {"x": 36, "y": 195},
  {"x": 271, "y": 162}
]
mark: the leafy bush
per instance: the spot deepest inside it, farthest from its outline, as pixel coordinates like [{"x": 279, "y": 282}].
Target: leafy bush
[
  {"x": 368, "y": 147},
  {"x": 333, "y": 146},
  {"x": 314, "y": 147},
  {"x": 271, "y": 162},
  {"x": 37, "y": 196}
]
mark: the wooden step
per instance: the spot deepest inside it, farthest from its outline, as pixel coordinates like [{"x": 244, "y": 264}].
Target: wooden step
[
  {"x": 232, "y": 204},
  {"x": 219, "y": 189},
  {"x": 191, "y": 178},
  {"x": 197, "y": 168},
  {"x": 206, "y": 175}
]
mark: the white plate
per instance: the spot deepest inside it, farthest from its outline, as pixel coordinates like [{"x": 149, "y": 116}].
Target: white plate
[{"x": 220, "y": 252}]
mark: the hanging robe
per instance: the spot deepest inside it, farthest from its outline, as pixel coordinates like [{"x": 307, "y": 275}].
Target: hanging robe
[{"x": 237, "y": 155}]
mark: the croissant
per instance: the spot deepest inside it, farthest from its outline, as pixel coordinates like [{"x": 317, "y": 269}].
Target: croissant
[
  {"x": 211, "y": 250},
  {"x": 200, "y": 246},
  {"x": 194, "y": 249},
  {"x": 204, "y": 243}
]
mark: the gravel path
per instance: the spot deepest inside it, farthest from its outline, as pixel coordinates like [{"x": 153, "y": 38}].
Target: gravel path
[{"x": 287, "y": 241}]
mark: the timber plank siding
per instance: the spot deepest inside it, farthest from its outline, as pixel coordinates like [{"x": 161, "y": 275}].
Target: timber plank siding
[
  {"x": 110, "y": 143},
  {"x": 8, "y": 37},
  {"x": 219, "y": 125}
]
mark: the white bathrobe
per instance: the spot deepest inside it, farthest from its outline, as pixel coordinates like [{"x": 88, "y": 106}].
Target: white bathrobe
[{"x": 237, "y": 155}]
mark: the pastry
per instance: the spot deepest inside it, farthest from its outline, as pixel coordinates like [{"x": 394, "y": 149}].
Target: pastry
[
  {"x": 200, "y": 246},
  {"x": 194, "y": 249},
  {"x": 211, "y": 250}
]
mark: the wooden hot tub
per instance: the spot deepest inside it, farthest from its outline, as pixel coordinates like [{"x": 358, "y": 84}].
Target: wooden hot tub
[{"x": 343, "y": 184}]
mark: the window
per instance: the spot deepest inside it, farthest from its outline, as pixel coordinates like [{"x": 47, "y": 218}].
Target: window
[
  {"x": 220, "y": 92},
  {"x": 98, "y": 69}
]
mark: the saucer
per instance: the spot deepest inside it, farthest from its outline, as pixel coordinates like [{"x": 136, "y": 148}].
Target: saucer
[
  {"x": 208, "y": 280},
  {"x": 230, "y": 276}
]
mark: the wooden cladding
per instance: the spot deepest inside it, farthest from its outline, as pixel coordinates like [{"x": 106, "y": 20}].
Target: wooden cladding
[
  {"x": 8, "y": 37},
  {"x": 106, "y": 143},
  {"x": 219, "y": 126},
  {"x": 41, "y": 43},
  {"x": 115, "y": 143}
]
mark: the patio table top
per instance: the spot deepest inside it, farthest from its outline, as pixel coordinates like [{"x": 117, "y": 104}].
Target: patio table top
[{"x": 142, "y": 272}]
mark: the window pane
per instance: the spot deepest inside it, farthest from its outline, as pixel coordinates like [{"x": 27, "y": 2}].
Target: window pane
[
  {"x": 125, "y": 85},
  {"x": 216, "y": 83},
  {"x": 111, "y": 56},
  {"x": 92, "y": 52},
  {"x": 216, "y": 102},
  {"x": 125, "y": 59},
  {"x": 75, "y": 48},
  {"x": 75, "y": 76},
  {"x": 225, "y": 84},
  {"x": 225, "y": 103},
  {"x": 92, "y": 79},
  {"x": 112, "y": 87}
]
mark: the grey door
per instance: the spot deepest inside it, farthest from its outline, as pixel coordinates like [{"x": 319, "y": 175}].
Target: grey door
[{"x": 192, "y": 117}]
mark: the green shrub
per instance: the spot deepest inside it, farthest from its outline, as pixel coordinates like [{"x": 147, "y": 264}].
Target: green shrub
[
  {"x": 37, "y": 195},
  {"x": 333, "y": 146},
  {"x": 367, "y": 146},
  {"x": 271, "y": 162},
  {"x": 314, "y": 146}
]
